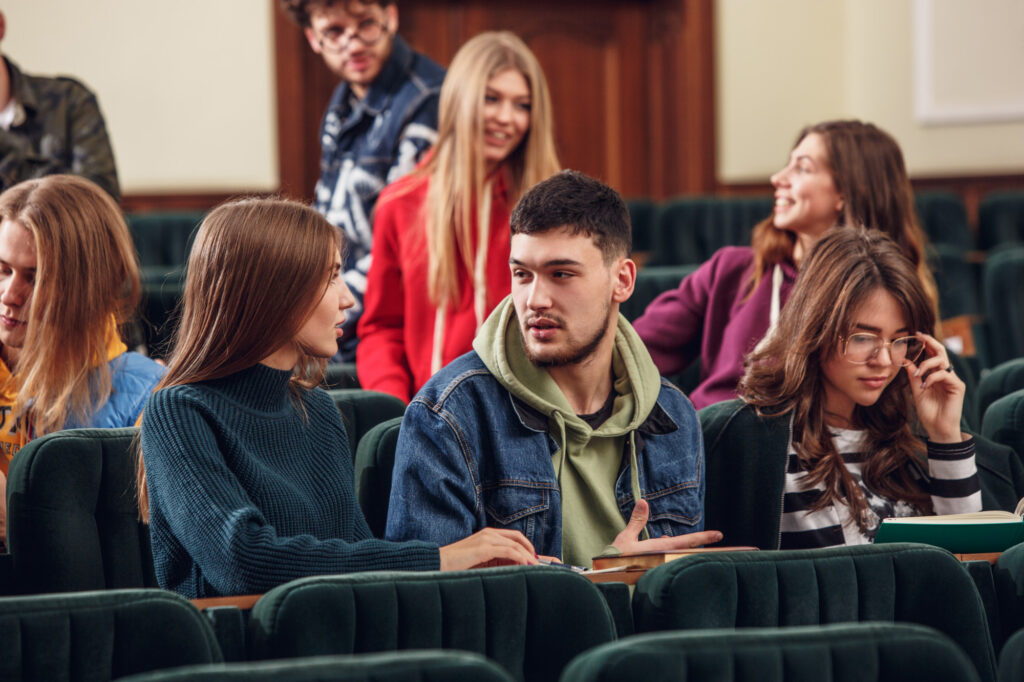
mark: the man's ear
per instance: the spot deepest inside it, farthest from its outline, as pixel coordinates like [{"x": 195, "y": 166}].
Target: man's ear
[
  {"x": 625, "y": 280},
  {"x": 314, "y": 42},
  {"x": 391, "y": 14}
]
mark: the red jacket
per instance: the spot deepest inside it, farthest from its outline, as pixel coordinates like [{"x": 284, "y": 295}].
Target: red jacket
[{"x": 396, "y": 330}]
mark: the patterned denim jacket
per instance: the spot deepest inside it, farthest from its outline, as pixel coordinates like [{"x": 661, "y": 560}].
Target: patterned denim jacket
[
  {"x": 57, "y": 128},
  {"x": 471, "y": 455},
  {"x": 370, "y": 143}
]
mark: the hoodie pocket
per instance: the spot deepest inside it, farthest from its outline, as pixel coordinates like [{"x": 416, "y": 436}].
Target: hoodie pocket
[{"x": 518, "y": 507}]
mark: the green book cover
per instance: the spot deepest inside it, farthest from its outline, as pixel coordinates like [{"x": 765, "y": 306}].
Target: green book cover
[{"x": 958, "y": 533}]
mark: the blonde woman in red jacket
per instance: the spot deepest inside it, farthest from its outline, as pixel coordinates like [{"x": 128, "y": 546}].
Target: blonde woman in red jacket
[{"x": 441, "y": 235}]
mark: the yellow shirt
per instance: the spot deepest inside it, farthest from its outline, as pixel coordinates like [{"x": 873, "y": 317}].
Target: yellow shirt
[{"x": 14, "y": 433}]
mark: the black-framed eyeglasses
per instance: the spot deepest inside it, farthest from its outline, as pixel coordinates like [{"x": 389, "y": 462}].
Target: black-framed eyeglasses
[
  {"x": 369, "y": 31},
  {"x": 863, "y": 347}
]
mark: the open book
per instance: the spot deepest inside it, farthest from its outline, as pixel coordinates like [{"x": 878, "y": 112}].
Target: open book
[
  {"x": 651, "y": 559},
  {"x": 973, "y": 533}
]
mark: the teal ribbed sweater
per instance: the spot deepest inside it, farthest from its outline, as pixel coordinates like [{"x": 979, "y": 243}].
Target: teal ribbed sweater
[{"x": 247, "y": 492}]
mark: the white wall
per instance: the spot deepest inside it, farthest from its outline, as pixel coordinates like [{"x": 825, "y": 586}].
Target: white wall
[
  {"x": 787, "y": 63},
  {"x": 186, "y": 87}
]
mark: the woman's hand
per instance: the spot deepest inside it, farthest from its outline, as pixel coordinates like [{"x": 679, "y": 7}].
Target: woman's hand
[
  {"x": 488, "y": 547},
  {"x": 938, "y": 392},
  {"x": 627, "y": 541}
]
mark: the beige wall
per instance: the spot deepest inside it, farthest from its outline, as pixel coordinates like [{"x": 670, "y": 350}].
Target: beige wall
[
  {"x": 187, "y": 87},
  {"x": 785, "y": 63}
]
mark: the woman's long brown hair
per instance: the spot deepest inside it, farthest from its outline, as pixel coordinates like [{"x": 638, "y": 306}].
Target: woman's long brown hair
[
  {"x": 784, "y": 376},
  {"x": 868, "y": 171},
  {"x": 256, "y": 269}
]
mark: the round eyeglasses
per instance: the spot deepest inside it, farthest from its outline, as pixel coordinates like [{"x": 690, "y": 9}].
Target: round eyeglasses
[
  {"x": 369, "y": 31},
  {"x": 862, "y": 347}
]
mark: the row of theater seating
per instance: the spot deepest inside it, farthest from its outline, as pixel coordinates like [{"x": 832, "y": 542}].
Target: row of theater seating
[
  {"x": 689, "y": 229},
  {"x": 72, "y": 525},
  {"x": 890, "y": 612}
]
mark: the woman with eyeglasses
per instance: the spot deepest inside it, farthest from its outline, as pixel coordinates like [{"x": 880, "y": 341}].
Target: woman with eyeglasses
[
  {"x": 838, "y": 173},
  {"x": 848, "y": 414},
  {"x": 441, "y": 235}
]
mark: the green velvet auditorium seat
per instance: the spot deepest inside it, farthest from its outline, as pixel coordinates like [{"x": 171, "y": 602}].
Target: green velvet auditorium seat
[
  {"x": 341, "y": 375},
  {"x": 161, "y": 292},
  {"x": 1004, "y": 421},
  {"x": 99, "y": 636},
  {"x": 1003, "y": 287},
  {"x": 1011, "y": 661},
  {"x": 652, "y": 281},
  {"x": 642, "y": 216},
  {"x": 406, "y": 666},
  {"x": 849, "y": 652},
  {"x": 691, "y": 229},
  {"x": 999, "y": 381},
  {"x": 944, "y": 219},
  {"x": 72, "y": 514},
  {"x": 957, "y": 279},
  {"x": 1000, "y": 220},
  {"x": 375, "y": 460},
  {"x": 163, "y": 239},
  {"x": 892, "y": 583},
  {"x": 362, "y": 410},
  {"x": 532, "y": 620}
]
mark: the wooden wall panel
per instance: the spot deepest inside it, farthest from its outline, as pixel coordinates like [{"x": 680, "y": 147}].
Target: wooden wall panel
[{"x": 630, "y": 83}]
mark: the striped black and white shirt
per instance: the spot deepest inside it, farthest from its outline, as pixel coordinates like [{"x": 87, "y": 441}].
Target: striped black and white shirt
[{"x": 952, "y": 480}]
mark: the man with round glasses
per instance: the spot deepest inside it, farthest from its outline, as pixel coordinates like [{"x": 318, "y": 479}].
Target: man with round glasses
[{"x": 380, "y": 120}]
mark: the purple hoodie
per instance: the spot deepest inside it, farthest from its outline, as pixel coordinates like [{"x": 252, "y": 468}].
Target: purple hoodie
[{"x": 709, "y": 316}]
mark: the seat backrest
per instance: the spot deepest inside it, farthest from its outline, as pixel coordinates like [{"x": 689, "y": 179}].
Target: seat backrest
[
  {"x": 1011, "y": 660},
  {"x": 690, "y": 230},
  {"x": 99, "y": 636},
  {"x": 375, "y": 460},
  {"x": 892, "y": 583},
  {"x": 958, "y": 281},
  {"x": 651, "y": 282},
  {"x": 1003, "y": 288},
  {"x": 944, "y": 219},
  {"x": 72, "y": 514},
  {"x": 531, "y": 620},
  {"x": 361, "y": 410},
  {"x": 161, "y": 293},
  {"x": 1004, "y": 421},
  {"x": 642, "y": 216},
  {"x": 857, "y": 652},
  {"x": 1000, "y": 219},
  {"x": 428, "y": 666},
  {"x": 163, "y": 238},
  {"x": 999, "y": 381}
]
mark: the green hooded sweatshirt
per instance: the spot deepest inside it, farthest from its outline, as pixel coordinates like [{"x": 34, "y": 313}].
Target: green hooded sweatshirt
[{"x": 588, "y": 461}]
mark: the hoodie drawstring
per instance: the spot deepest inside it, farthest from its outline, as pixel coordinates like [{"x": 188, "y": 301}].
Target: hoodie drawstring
[{"x": 634, "y": 479}]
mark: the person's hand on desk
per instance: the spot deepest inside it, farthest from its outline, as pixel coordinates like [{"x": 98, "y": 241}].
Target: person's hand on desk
[
  {"x": 488, "y": 547},
  {"x": 627, "y": 541}
]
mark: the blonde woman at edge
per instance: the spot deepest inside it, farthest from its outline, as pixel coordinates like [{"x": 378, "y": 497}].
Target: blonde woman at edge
[
  {"x": 246, "y": 475},
  {"x": 441, "y": 235}
]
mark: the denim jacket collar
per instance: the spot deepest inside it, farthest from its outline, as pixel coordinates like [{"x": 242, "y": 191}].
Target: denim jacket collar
[{"x": 658, "y": 422}]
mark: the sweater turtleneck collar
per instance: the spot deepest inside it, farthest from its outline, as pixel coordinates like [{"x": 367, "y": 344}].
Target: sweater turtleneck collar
[{"x": 259, "y": 387}]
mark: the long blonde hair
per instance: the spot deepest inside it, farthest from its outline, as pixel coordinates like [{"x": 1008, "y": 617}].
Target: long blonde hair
[
  {"x": 457, "y": 169},
  {"x": 255, "y": 272},
  {"x": 87, "y": 279}
]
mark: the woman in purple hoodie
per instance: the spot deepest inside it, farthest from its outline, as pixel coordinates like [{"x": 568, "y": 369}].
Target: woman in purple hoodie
[{"x": 839, "y": 173}]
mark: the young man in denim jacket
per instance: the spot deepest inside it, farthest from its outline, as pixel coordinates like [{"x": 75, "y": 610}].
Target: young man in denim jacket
[
  {"x": 380, "y": 120},
  {"x": 557, "y": 424}
]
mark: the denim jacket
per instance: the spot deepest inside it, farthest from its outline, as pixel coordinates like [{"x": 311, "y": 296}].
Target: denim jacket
[
  {"x": 471, "y": 455},
  {"x": 368, "y": 144}
]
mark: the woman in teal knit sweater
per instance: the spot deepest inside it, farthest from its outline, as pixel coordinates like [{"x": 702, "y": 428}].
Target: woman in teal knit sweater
[{"x": 246, "y": 475}]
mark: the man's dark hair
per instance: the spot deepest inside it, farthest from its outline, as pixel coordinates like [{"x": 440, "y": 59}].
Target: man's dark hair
[
  {"x": 299, "y": 9},
  {"x": 580, "y": 204}
]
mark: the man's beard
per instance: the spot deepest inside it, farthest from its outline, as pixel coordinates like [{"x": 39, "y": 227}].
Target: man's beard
[{"x": 572, "y": 355}]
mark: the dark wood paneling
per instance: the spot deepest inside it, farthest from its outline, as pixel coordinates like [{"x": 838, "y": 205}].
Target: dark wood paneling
[{"x": 631, "y": 83}]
